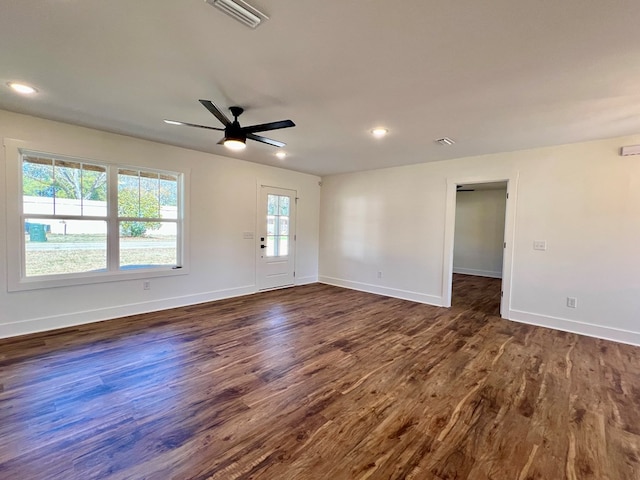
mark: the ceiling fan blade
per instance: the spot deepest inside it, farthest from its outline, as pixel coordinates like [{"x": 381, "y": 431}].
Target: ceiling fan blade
[
  {"x": 263, "y": 127},
  {"x": 221, "y": 142},
  {"x": 266, "y": 140},
  {"x": 208, "y": 104},
  {"x": 196, "y": 125}
]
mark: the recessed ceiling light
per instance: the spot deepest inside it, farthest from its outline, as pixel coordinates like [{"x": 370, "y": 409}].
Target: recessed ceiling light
[
  {"x": 281, "y": 155},
  {"x": 445, "y": 141},
  {"x": 173, "y": 122},
  {"x": 22, "y": 88},
  {"x": 379, "y": 132}
]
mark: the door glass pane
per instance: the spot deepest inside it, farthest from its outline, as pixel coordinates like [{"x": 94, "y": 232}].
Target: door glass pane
[
  {"x": 272, "y": 204},
  {"x": 283, "y": 246},
  {"x": 284, "y": 205},
  {"x": 56, "y": 247},
  {"x": 278, "y": 208},
  {"x": 271, "y": 246},
  {"x": 284, "y": 226},
  {"x": 271, "y": 225}
]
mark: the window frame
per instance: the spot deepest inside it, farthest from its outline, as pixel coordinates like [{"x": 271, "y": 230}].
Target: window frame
[{"x": 17, "y": 279}]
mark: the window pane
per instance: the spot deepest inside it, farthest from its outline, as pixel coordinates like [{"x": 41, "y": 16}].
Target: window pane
[
  {"x": 63, "y": 187},
  {"x": 128, "y": 193},
  {"x": 272, "y": 204},
  {"x": 138, "y": 194},
  {"x": 94, "y": 190},
  {"x": 149, "y": 195},
  {"x": 168, "y": 196},
  {"x": 55, "y": 247},
  {"x": 284, "y": 206},
  {"x": 284, "y": 225},
  {"x": 68, "y": 183},
  {"x": 155, "y": 244},
  {"x": 284, "y": 247},
  {"x": 37, "y": 185},
  {"x": 271, "y": 246}
]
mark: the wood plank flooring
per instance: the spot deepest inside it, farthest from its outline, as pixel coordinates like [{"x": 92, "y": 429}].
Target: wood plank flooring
[{"x": 319, "y": 382}]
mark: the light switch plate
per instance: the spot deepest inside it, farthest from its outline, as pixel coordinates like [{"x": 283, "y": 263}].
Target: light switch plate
[{"x": 539, "y": 244}]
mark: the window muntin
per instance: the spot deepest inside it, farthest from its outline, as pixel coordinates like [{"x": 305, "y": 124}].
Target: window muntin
[{"x": 72, "y": 227}]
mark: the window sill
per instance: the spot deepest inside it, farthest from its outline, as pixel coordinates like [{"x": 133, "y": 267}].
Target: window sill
[{"x": 46, "y": 282}]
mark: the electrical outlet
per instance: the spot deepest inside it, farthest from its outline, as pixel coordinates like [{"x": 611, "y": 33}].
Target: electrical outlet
[
  {"x": 540, "y": 245},
  {"x": 572, "y": 302},
  {"x": 379, "y": 274},
  {"x": 146, "y": 285}
]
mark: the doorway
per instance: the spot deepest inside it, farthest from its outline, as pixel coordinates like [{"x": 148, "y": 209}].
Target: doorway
[
  {"x": 478, "y": 242},
  {"x": 276, "y": 235},
  {"x": 478, "y": 246}
]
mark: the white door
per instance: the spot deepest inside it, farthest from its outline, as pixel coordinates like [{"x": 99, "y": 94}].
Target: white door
[{"x": 276, "y": 235}]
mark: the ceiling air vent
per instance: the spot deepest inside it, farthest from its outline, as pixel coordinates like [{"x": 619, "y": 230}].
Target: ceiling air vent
[
  {"x": 445, "y": 141},
  {"x": 241, "y": 11}
]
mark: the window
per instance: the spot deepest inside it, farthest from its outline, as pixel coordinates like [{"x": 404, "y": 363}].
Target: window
[
  {"x": 147, "y": 218},
  {"x": 83, "y": 221},
  {"x": 64, "y": 206}
]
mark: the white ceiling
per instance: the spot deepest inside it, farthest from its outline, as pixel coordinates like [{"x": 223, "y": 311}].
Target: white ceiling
[{"x": 495, "y": 76}]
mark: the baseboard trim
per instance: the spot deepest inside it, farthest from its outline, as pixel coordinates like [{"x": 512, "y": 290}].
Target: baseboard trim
[
  {"x": 306, "y": 280},
  {"x": 574, "y": 326},
  {"x": 386, "y": 291},
  {"x": 477, "y": 273},
  {"x": 55, "y": 322}
]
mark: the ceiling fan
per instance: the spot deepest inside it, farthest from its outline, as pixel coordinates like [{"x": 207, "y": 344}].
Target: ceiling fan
[
  {"x": 464, "y": 188},
  {"x": 235, "y": 136}
]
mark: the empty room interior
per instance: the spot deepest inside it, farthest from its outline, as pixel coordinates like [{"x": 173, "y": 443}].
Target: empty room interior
[{"x": 319, "y": 240}]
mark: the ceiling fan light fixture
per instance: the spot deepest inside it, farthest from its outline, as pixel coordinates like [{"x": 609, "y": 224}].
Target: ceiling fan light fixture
[
  {"x": 240, "y": 11},
  {"x": 281, "y": 155},
  {"x": 235, "y": 144}
]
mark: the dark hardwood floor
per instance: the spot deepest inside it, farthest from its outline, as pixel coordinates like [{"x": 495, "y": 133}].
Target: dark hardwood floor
[{"x": 319, "y": 382}]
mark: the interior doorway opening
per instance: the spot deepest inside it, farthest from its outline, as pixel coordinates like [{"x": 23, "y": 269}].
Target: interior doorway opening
[
  {"x": 478, "y": 247},
  {"x": 482, "y": 274}
]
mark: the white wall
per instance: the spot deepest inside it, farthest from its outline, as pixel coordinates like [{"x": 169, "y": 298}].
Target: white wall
[
  {"x": 223, "y": 205},
  {"x": 583, "y": 199},
  {"x": 479, "y": 232}
]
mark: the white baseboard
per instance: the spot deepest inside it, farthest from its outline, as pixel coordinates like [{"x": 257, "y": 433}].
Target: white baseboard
[
  {"x": 306, "y": 280},
  {"x": 574, "y": 326},
  {"x": 89, "y": 316},
  {"x": 477, "y": 273},
  {"x": 387, "y": 291}
]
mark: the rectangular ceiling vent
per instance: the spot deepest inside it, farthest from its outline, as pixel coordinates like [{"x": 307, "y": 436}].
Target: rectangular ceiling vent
[{"x": 241, "y": 11}]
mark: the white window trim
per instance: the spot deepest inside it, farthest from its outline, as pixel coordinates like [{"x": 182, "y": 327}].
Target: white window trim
[{"x": 15, "y": 236}]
